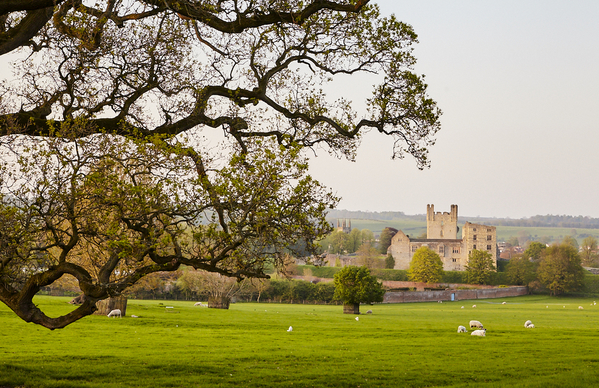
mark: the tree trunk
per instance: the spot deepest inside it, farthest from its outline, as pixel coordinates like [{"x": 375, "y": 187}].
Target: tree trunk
[
  {"x": 351, "y": 308},
  {"x": 107, "y": 305},
  {"x": 219, "y": 302}
]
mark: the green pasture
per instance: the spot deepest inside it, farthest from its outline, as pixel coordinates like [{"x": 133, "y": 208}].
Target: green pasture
[{"x": 399, "y": 345}]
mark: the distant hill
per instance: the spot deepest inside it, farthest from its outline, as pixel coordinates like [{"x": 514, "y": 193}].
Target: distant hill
[{"x": 550, "y": 221}]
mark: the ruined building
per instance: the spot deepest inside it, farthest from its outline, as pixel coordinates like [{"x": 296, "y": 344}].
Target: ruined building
[{"x": 441, "y": 236}]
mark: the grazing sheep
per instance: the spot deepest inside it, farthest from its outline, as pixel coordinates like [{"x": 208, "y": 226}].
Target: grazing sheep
[
  {"x": 476, "y": 324},
  {"x": 462, "y": 306},
  {"x": 531, "y": 326},
  {"x": 527, "y": 323},
  {"x": 440, "y": 301},
  {"x": 480, "y": 333},
  {"x": 200, "y": 304},
  {"x": 580, "y": 308},
  {"x": 369, "y": 312},
  {"x": 290, "y": 328},
  {"x": 473, "y": 306},
  {"x": 462, "y": 329},
  {"x": 357, "y": 318},
  {"x": 504, "y": 303},
  {"x": 114, "y": 313},
  {"x": 134, "y": 316}
]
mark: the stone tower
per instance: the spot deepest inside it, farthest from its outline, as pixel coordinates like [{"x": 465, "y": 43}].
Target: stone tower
[
  {"x": 441, "y": 225},
  {"x": 344, "y": 226}
]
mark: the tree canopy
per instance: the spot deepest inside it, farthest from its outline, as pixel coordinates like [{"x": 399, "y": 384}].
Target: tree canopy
[
  {"x": 354, "y": 285},
  {"x": 144, "y": 135},
  {"x": 426, "y": 266},
  {"x": 250, "y": 68},
  {"x": 480, "y": 267},
  {"x": 560, "y": 269}
]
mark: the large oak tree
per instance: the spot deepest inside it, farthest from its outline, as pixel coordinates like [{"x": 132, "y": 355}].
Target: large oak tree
[{"x": 109, "y": 78}]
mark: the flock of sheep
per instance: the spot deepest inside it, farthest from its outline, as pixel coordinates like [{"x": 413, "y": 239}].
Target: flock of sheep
[{"x": 481, "y": 331}]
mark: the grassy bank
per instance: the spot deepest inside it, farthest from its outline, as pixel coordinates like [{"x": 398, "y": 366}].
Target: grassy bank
[{"x": 399, "y": 345}]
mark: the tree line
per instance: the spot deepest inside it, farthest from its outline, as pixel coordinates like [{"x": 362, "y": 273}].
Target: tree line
[{"x": 552, "y": 221}]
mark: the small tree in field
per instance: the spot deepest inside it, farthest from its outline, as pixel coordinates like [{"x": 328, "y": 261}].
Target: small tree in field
[
  {"x": 426, "y": 266},
  {"x": 355, "y": 285},
  {"x": 480, "y": 267},
  {"x": 560, "y": 269}
]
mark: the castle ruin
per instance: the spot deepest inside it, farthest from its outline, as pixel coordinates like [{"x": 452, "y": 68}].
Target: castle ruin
[{"x": 441, "y": 236}]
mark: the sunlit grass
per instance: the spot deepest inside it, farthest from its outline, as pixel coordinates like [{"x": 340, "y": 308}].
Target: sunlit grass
[{"x": 249, "y": 346}]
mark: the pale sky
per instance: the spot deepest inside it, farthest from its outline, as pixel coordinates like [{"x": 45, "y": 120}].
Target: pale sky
[{"x": 518, "y": 84}]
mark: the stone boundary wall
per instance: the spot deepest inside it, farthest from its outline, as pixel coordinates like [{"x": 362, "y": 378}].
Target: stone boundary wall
[
  {"x": 419, "y": 286},
  {"x": 446, "y": 295}
]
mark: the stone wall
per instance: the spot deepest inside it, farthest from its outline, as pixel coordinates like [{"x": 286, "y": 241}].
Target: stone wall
[{"x": 446, "y": 295}]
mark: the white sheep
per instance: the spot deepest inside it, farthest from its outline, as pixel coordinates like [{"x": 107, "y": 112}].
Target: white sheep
[
  {"x": 290, "y": 328},
  {"x": 357, "y": 318},
  {"x": 527, "y": 323},
  {"x": 473, "y": 306},
  {"x": 200, "y": 304},
  {"x": 114, "y": 313},
  {"x": 580, "y": 308},
  {"x": 462, "y": 329},
  {"x": 480, "y": 333},
  {"x": 531, "y": 326},
  {"x": 462, "y": 306},
  {"x": 504, "y": 303},
  {"x": 476, "y": 324}
]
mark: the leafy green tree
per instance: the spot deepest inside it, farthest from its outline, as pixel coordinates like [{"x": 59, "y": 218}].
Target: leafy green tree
[
  {"x": 534, "y": 251},
  {"x": 385, "y": 240},
  {"x": 389, "y": 262},
  {"x": 521, "y": 270},
  {"x": 367, "y": 236},
  {"x": 426, "y": 266},
  {"x": 588, "y": 254},
  {"x": 338, "y": 241},
  {"x": 560, "y": 269},
  {"x": 480, "y": 267},
  {"x": 109, "y": 211},
  {"x": 354, "y": 240},
  {"x": 355, "y": 285}
]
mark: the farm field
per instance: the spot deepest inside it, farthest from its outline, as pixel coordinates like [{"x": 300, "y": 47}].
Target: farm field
[{"x": 399, "y": 345}]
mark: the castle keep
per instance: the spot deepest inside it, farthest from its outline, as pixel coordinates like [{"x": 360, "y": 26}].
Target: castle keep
[{"x": 441, "y": 236}]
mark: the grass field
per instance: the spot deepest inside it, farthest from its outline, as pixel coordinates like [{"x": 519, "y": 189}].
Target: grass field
[{"x": 400, "y": 345}]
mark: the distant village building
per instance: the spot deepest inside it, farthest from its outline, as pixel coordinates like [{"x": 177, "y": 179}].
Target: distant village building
[
  {"x": 441, "y": 236},
  {"x": 344, "y": 226}
]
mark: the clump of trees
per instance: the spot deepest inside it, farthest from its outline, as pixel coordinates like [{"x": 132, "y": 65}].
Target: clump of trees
[{"x": 557, "y": 268}]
